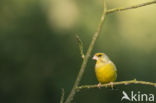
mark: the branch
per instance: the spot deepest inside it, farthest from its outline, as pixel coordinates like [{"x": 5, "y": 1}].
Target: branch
[
  {"x": 85, "y": 60},
  {"x": 62, "y": 96},
  {"x": 131, "y": 7},
  {"x": 117, "y": 83},
  {"x": 80, "y": 46}
]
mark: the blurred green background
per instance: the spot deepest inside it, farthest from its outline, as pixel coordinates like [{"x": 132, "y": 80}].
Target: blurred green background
[{"x": 39, "y": 54}]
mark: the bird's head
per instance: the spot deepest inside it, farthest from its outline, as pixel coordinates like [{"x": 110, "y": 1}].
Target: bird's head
[{"x": 100, "y": 56}]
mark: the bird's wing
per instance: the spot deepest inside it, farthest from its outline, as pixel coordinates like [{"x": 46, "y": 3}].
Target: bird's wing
[{"x": 113, "y": 65}]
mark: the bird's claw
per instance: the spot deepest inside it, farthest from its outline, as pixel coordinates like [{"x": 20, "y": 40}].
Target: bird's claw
[
  {"x": 112, "y": 84},
  {"x": 99, "y": 85}
]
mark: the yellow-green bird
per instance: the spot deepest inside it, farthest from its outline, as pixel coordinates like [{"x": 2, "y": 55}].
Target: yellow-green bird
[{"x": 105, "y": 69}]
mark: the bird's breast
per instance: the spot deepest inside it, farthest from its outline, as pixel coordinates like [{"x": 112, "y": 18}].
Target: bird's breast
[{"x": 105, "y": 72}]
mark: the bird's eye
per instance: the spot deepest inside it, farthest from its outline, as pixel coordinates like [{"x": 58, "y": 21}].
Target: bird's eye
[{"x": 99, "y": 55}]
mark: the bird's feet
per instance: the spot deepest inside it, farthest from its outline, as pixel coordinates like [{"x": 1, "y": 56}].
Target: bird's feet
[
  {"x": 112, "y": 84},
  {"x": 99, "y": 85}
]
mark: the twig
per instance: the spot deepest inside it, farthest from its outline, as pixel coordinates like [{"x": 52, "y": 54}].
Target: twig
[
  {"x": 85, "y": 60},
  {"x": 130, "y": 7},
  {"x": 117, "y": 83},
  {"x": 80, "y": 46},
  {"x": 62, "y": 96}
]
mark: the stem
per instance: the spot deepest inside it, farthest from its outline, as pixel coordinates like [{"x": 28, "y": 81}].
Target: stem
[
  {"x": 130, "y": 7},
  {"x": 117, "y": 83},
  {"x": 85, "y": 60},
  {"x": 62, "y": 96},
  {"x": 80, "y": 46}
]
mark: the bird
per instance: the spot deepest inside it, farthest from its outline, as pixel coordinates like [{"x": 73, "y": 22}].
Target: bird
[{"x": 105, "y": 69}]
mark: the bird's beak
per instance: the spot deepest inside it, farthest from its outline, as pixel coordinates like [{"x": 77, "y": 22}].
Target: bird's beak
[{"x": 95, "y": 58}]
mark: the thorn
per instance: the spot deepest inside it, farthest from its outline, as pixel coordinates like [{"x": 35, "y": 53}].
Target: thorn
[{"x": 135, "y": 80}]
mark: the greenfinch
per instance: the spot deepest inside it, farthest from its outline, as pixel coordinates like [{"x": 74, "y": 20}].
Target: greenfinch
[{"x": 105, "y": 69}]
